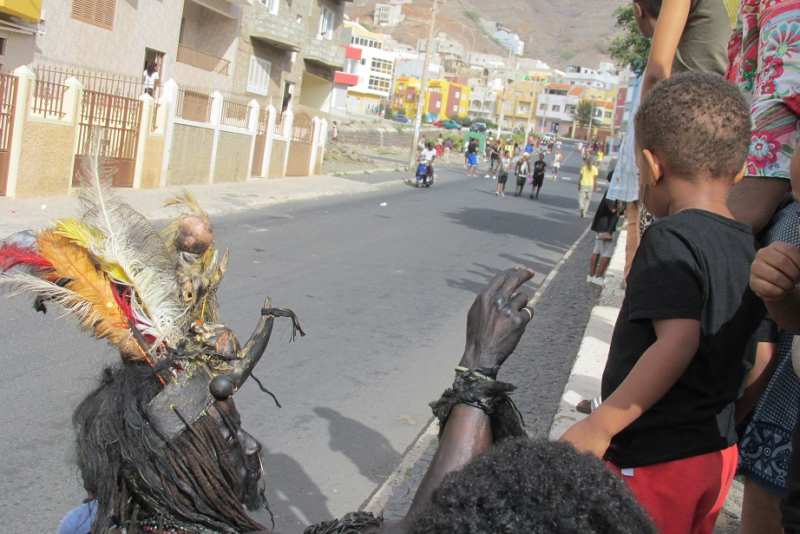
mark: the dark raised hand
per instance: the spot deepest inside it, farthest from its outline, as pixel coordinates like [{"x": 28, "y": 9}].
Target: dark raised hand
[{"x": 497, "y": 320}]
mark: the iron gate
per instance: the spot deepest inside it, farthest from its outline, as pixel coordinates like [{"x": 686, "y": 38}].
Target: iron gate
[
  {"x": 116, "y": 119},
  {"x": 8, "y": 95},
  {"x": 300, "y": 146}
]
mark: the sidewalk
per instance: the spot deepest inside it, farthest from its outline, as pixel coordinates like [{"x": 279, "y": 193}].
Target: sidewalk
[
  {"x": 584, "y": 381},
  {"x": 216, "y": 199}
]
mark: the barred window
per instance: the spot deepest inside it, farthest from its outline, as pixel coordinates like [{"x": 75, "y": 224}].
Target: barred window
[
  {"x": 379, "y": 84},
  {"x": 383, "y": 66},
  {"x": 97, "y": 12}
]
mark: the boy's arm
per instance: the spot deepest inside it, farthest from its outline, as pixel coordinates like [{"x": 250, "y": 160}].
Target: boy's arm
[
  {"x": 654, "y": 374},
  {"x": 669, "y": 28},
  {"x": 774, "y": 276}
]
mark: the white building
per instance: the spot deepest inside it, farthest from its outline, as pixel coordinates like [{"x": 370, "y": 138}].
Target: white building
[
  {"x": 605, "y": 78},
  {"x": 509, "y": 40},
  {"x": 443, "y": 46},
  {"x": 375, "y": 69},
  {"x": 388, "y": 14}
]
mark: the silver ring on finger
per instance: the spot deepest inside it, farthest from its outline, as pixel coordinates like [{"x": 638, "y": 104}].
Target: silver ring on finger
[{"x": 530, "y": 312}]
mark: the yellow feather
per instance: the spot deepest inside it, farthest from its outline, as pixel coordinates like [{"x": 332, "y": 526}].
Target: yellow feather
[
  {"x": 86, "y": 236},
  {"x": 103, "y": 316}
]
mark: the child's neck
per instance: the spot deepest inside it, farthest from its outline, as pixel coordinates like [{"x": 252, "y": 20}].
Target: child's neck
[{"x": 706, "y": 195}]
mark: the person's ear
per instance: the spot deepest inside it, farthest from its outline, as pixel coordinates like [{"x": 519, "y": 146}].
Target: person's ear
[
  {"x": 738, "y": 177},
  {"x": 638, "y": 12},
  {"x": 655, "y": 164}
]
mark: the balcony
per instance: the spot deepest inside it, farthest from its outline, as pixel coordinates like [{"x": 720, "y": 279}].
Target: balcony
[
  {"x": 202, "y": 60},
  {"x": 324, "y": 53},
  {"x": 277, "y": 31}
]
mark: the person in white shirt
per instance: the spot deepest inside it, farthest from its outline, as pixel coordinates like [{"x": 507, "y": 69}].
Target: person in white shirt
[
  {"x": 428, "y": 153},
  {"x": 150, "y": 76}
]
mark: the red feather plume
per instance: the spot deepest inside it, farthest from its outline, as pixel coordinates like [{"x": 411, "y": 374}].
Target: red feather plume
[{"x": 12, "y": 255}]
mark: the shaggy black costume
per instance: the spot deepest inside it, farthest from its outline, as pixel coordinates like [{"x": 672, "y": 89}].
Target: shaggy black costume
[
  {"x": 534, "y": 487},
  {"x": 138, "y": 481}
]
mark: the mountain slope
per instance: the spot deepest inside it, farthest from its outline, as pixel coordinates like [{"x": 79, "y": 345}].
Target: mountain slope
[{"x": 559, "y": 32}]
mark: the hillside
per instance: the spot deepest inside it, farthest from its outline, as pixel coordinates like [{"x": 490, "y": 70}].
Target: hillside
[{"x": 559, "y": 32}]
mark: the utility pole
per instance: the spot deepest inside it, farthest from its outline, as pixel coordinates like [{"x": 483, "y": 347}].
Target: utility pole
[
  {"x": 591, "y": 120},
  {"x": 502, "y": 108},
  {"x": 423, "y": 87}
]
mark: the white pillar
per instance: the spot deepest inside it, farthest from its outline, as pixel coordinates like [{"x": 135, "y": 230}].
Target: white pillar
[
  {"x": 145, "y": 124},
  {"x": 286, "y": 123},
  {"x": 323, "y": 136},
  {"x": 25, "y": 77},
  {"x": 72, "y": 99},
  {"x": 314, "y": 143},
  {"x": 271, "y": 117},
  {"x": 169, "y": 96},
  {"x": 252, "y": 126},
  {"x": 216, "y": 119}
]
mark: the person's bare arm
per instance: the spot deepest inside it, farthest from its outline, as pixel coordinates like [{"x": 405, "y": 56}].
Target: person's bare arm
[
  {"x": 669, "y": 28},
  {"x": 654, "y": 374},
  {"x": 756, "y": 380},
  {"x": 755, "y": 199},
  {"x": 495, "y": 324}
]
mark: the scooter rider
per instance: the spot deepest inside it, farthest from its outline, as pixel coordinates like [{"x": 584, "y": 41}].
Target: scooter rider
[{"x": 428, "y": 153}]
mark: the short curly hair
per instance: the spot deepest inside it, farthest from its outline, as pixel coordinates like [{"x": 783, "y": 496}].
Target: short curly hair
[
  {"x": 532, "y": 486},
  {"x": 699, "y": 123}
]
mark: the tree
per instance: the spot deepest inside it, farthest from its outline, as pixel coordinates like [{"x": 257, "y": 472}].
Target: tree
[
  {"x": 632, "y": 48},
  {"x": 583, "y": 114}
]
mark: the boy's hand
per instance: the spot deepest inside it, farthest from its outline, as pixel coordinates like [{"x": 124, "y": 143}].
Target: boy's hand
[
  {"x": 586, "y": 437},
  {"x": 775, "y": 272}
]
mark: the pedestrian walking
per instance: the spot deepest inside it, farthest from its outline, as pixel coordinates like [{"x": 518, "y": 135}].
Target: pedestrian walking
[
  {"x": 587, "y": 184},
  {"x": 447, "y": 145},
  {"x": 494, "y": 160},
  {"x": 439, "y": 147},
  {"x": 556, "y": 164},
  {"x": 472, "y": 157},
  {"x": 522, "y": 171},
  {"x": 335, "y": 132},
  {"x": 502, "y": 174},
  {"x": 150, "y": 76},
  {"x": 539, "y": 168}
]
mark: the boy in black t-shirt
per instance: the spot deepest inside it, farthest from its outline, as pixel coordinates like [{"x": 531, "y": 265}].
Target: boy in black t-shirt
[
  {"x": 685, "y": 335},
  {"x": 539, "y": 168}
]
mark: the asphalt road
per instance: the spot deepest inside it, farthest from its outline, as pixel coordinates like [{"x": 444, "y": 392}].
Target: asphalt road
[{"x": 381, "y": 290}]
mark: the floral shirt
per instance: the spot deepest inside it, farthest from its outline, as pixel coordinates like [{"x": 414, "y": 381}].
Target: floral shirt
[{"x": 764, "y": 54}]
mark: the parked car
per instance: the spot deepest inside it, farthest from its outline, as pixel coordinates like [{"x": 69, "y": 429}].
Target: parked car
[
  {"x": 549, "y": 136},
  {"x": 403, "y": 118},
  {"x": 451, "y": 125},
  {"x": 478, "y": 127}
]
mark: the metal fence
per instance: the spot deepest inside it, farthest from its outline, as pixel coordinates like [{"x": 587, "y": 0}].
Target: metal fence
[
  {"x": 101, "y": 82},
  {"x": 235, "y": 113},
  {"x": 48, "y": 94},
  {"x": 202, "y": 60},
  {"x": 193, "y": 105}
]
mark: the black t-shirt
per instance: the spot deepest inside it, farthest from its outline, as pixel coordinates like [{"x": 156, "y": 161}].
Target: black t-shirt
[
  {"x": 539, "y": 167},
  {"x": 472, "y": 148},
  {"x": 691, "y": 265}
]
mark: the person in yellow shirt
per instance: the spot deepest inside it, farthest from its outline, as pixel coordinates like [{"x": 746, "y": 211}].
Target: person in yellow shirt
[{"x": 587, "y": 183}]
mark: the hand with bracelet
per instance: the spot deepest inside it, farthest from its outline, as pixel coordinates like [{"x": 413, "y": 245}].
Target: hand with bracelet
[{"x": 495, "y": 324}]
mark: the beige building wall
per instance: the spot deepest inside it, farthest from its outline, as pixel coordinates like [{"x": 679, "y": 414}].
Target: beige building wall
[
  {"x": 153, "y": 158},
  {"x": 19, "y": 50},
  {"x": 46, "y": 159},
  {"x": 279, "y": 149},
  {"x": 138, "y": 25},
  {"x": 233, "y": 157},
  {"x": 190, "y": 157}
]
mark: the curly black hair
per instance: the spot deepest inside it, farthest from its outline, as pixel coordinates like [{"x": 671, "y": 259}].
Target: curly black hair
[
  {"x": 700, "y": 123},
  {"x": 532, "y": 486},
  {"x": 135, "y": 477}
]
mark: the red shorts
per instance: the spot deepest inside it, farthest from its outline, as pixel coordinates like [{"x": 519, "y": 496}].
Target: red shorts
[{"x": 684, "y": 496}]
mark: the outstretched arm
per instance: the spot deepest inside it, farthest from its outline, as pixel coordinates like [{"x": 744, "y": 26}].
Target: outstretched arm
[
  {"x": 495, "y": 324},
  {"x": 667, "y": 35}
]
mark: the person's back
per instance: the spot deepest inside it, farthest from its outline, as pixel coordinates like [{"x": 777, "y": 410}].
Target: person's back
[{"x": 685, "y": 335}]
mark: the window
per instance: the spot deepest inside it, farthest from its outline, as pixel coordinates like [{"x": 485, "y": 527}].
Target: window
[
  {"x": 542, "y": 107},
  {"x": 439, "y": 104},
  {"x": 458, "y": 94},
  {"x": 378, "y": 84},
  {"x": 97, "y": 12},
  {"x": 258, "y": 76},
  {"x": 608, "y": 114},
  {"x": 461, "y": 109},
  {"x": 556, "y": 108},
  {"x": 382, "y": 66},
  {"x": 508, "y": 105},
  {"x": 272, "y": 5},
  {"x": 570, "y": 109},
  {"x": 326, "y": 21},
  {"x": 519, "y": 93}
]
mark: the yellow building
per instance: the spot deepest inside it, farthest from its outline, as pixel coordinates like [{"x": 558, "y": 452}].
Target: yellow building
[
  {"x": 443, "y": 99},
  {"x": 517, "y": 105}
]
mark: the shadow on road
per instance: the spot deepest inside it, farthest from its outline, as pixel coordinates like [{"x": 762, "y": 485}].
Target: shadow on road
[
  {"x": 282, "y": 489},
  {"x": 361, "y": 444}
]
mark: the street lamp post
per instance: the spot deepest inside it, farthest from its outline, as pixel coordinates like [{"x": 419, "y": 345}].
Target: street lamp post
[{"x": 423, "y": 87}]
